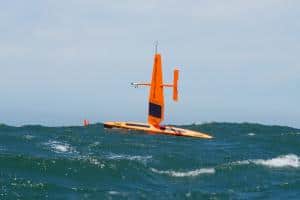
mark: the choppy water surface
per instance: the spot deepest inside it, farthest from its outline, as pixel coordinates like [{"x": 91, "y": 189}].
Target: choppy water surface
[{"x": 244, "y": 161}]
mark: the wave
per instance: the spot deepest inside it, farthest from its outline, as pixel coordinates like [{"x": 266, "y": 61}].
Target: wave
[
  {"x": 143, "y": 159},
  {"x": 92, "y": 161},
  {"x": 192, "y": 173},
  {"x": 251, "y": 134},
  {"x": 2, "y": 148},
  {"x": 293, "y": 133},
  {"x": 29, "y": 137},
  {"x": 60, "y": 147},
  {"x": 289, "y": 160},
  {"x": 112, "y": 192}
]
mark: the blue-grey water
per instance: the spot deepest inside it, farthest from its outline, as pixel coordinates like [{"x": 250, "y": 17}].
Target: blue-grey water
[{"x": 243, "y": 161}]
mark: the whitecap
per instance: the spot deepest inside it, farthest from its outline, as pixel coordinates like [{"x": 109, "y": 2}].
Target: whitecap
[
  {"x": 95, "y": 161},
  {"x": 28, "y": 137},
  {"x": 188, "y": 194},
  {"x": 289, "y": 160},
  {"x": 192, "y": 173},
  {"x": 60, "y": 147},
  {"x": 113, "y": 192},
  {"x": 251, "y": 134},
  {"x": 241, "y": 162},
  {"x": 129, "y": 157}
]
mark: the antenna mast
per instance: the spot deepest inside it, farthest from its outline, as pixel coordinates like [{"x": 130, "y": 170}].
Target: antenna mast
[{"x": 156, "y": 46}]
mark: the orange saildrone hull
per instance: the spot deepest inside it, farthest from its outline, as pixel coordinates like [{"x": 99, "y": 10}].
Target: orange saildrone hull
[{"x": 168, "y": 130}]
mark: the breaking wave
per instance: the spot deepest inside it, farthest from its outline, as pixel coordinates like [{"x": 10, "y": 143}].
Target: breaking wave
[
  {"x": 290, "y": 160},
  {"x": 60, "y": 147},
  {"x": 143, "y": 159},
  {"x": 192, "y": 173}
]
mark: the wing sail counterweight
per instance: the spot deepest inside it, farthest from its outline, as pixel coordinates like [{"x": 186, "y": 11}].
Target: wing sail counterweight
[{"x": 175, "y": 85}]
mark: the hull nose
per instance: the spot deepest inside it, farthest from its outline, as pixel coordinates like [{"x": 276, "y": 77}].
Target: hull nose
[{"x": 108, "y": 125}]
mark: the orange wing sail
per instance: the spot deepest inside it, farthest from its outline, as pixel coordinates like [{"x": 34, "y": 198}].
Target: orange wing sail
[{"x": 156, "y": 97}]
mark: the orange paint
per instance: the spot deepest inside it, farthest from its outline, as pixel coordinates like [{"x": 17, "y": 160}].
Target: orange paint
[
  {"x": 175, "y": 85},
  {"x": 86, "y": 122},
  {"x": 157, "y": 107},
  {"x": 156, "y": 96}
]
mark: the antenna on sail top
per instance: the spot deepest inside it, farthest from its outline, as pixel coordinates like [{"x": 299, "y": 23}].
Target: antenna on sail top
[{"x": 156, "y": 46}]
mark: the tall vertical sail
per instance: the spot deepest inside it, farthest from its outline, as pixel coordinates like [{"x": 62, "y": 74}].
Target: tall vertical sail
[{"x": 156, "y": 97}]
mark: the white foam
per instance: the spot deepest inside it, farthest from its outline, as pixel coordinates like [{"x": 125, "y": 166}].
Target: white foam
[
  {"x": 129, "y": 157},
  {"x": 96, "y": 162},
  {"x": 28, "y": 137},
  {"x": 113, "y": 192},
  {"x": 91, "y": 160},
  {"x": 188, "y": 194},
  {"x": 60, "y": 147},
  {"x": 289, "y": 160},
  {"x": 192, "y": 173},
  {"x": 251, "y": 134},
  {"x": 241, "y": 162}
]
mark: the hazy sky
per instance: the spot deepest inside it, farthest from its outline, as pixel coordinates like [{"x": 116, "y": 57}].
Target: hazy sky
[{"x": 64, "y": 61}]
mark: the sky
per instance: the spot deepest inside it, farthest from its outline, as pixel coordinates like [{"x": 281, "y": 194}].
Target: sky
[{"x": 65, "y": 61}]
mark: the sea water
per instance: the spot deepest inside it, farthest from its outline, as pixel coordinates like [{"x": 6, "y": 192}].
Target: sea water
[{"x": 243, "y": 161}]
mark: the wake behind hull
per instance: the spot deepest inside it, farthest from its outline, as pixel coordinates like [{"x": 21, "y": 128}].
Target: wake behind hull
[{"x": 168, "y": 130}]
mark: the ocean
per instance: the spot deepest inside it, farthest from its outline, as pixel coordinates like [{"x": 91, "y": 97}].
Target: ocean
[{"x": 243, "y": 161}]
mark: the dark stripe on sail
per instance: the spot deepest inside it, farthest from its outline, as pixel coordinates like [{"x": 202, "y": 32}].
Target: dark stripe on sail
[{"x": 155, "y": 110}]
